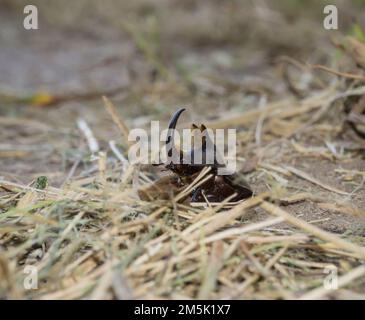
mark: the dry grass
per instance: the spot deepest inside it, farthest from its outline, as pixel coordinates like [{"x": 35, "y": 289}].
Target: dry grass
[{"x": 93, "y": 238}]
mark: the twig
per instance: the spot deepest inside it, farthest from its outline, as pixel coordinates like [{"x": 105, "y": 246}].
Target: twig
[
  {"x": 112, "y": 110},
  {"x": 211, "y": 273},
  {"x": 88, "y": 134},
  {"x": 324, "y": 235},
  {"x": 306, "y": 176},
  {"x": 337, "y": 73}
]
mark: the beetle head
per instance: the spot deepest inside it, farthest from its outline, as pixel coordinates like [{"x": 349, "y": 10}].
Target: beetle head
[{"x": 182, "y": 162}]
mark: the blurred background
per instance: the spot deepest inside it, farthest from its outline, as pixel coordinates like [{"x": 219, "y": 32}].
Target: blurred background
[{"x": 148, "y": 57}]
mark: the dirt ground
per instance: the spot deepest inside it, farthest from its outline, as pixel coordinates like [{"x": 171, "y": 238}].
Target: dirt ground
[{"x": 219, "y": 60}]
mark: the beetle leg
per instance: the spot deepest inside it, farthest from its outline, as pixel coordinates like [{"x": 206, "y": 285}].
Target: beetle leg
[
  {"x": 196, "y": 195},
  {"x": 243, "y": 190}
]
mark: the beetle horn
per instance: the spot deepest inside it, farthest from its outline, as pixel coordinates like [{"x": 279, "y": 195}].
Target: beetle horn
[{"x": 171, "y": 131}]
